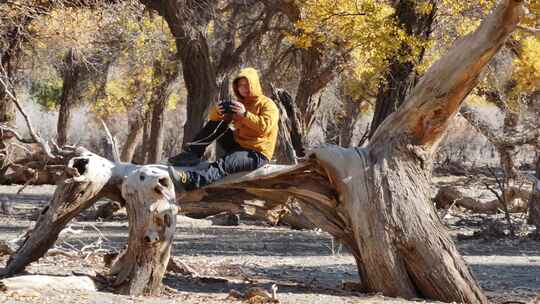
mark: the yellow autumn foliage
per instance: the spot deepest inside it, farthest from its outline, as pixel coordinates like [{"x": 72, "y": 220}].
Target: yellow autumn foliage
[{"x": 527, "y": 66}]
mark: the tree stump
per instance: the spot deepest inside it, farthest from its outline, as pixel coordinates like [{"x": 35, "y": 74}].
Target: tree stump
[{"x": 150, "y": 198}]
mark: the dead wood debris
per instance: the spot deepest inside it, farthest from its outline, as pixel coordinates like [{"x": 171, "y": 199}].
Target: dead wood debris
[{"x": 255, "y": 295}]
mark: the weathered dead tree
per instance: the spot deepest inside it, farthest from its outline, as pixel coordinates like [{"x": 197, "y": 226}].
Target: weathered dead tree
[
  {"x": 149, "y": 195},
  {"x": 374, "y": 199},
  {"x": 290, "y": 145},
  {"x": 38, "y": 284},
  {"x": 505, "y": 144},
  {"x": 451, "y": 196},
  {"x": 87, "y": 175}
]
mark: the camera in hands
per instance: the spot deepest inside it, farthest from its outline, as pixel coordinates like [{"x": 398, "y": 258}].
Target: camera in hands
[{"x": 226, "y": 105}]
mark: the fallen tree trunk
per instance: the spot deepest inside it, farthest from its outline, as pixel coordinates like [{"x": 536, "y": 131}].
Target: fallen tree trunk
[
  {"x": 41, "y": 283},
  {"x": 87, "y": 176},
  {"x": 452, "y": 196},
  {"x": 375, "y": 199}
]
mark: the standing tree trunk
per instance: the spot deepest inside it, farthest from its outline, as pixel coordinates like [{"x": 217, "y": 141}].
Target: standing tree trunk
[
  {"x": 534, "y": 201},
  {"x": 10, "y": 52},
  {"x": 352, "y": 113},
  {"x": 135, "y": 126},
  {"x": 166, "y": 73},
  {"x": 71, "y": 70},
  {"x": 506, "y": 153},
  {"x": 144, "y": 150},
  {"x": 200, "y": 80},
  {"x": 401, "y": 77},
  {"x": 7, "y": 110},
  {"x": 133, "y": 139},
  {"x": 407, "y": 232},
  {"x": 313, "y": 79},
  {"x": 188, "y": 22},
  {"x": 7, "y": 117},
  {"x": 289, "y": 146},
  {"x": 11, "y": 42}
]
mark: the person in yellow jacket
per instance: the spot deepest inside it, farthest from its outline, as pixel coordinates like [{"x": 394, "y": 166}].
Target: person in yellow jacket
[{"x": 249, "y": 146}]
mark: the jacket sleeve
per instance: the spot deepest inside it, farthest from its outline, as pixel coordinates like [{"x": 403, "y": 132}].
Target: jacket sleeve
[
  {"x": 265, "y": 121},
  {"x": 213, "y": 114}
]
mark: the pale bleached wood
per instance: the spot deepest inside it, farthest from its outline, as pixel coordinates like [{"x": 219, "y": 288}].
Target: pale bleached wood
[
  {"x": 436, "y": 98},
  {"x": 88, "y": 175},
  {"x": 44, "y": 283},
  {"x": 150, "y": 203},
  {"x": 376, "y": 200}
]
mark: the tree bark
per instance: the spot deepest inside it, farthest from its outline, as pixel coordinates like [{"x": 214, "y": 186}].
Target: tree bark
[
  {"x": 374, "y": 199},
  {"x": 290, "y": 145},
  {"x": 352, "y": 112},
  {"x": 534, "y": 201},
  {"x": 89, "y": 175},
  {"x": 166, "y": 73},
  {"x": 141, "y": 155},
  {"x": 10, "y": 53},
  {"x": 30, "y": 284},
  {"x": 7, "y": 111},
  {"x": 135, "y": 126},
  {"x": 506, "y": 143},
  {"x": 315, "y": 75},
  {"x": 188, "y": 21},
  {"x": 72, "y": 70},
  {"x": 401, "y": 76},
  {"x": 401, "y": 164},
  {"x": 150, "y": 198}
]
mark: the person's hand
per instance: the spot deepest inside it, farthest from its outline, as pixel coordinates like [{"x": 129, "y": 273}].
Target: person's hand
[
  {"x": 238, "y": 108},
  {"x": 220, "y": 108}
]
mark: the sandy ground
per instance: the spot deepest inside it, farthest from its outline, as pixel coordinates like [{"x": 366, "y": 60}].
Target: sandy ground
[{"x": 307, "y": 266}]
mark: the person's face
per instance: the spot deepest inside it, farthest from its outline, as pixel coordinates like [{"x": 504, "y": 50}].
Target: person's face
[{"x": 243, "y": 87}]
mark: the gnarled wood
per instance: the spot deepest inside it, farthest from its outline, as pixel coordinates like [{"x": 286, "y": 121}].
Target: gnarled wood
[
  {"x": 88, "y": 176},
  {"x": 41, "y": 283},
  {"x": 515, "y": 198},
  {"x": 149, "y": 196},
  {"x": 393, "y": 220},
  {"x": 377, "y": 199}
]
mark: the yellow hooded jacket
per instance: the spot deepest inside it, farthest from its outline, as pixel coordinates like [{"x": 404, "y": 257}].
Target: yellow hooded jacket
[{"x": 257, "y": 130}]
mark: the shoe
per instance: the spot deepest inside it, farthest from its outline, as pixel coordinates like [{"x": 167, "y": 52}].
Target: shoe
[
  {"x": 179, "y": 178},
  {"x": 185, "y": 159}
]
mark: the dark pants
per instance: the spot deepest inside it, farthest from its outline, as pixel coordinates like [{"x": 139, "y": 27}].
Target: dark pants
[{"x": 236, "y": 159}]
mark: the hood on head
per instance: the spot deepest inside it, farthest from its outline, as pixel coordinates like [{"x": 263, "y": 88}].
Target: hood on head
[{"x": 254, "y": 83}]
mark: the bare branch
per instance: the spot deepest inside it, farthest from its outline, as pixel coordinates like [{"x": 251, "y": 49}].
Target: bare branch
[
  {"x": 112, "y": 142},
  {"x": 364, "y": 136},
  {"x": 530, "y": 137},
  {"x": 7, "y": 132},
  {"x": 530, "y": 30},
  {"x": 37, "y": 139}
]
